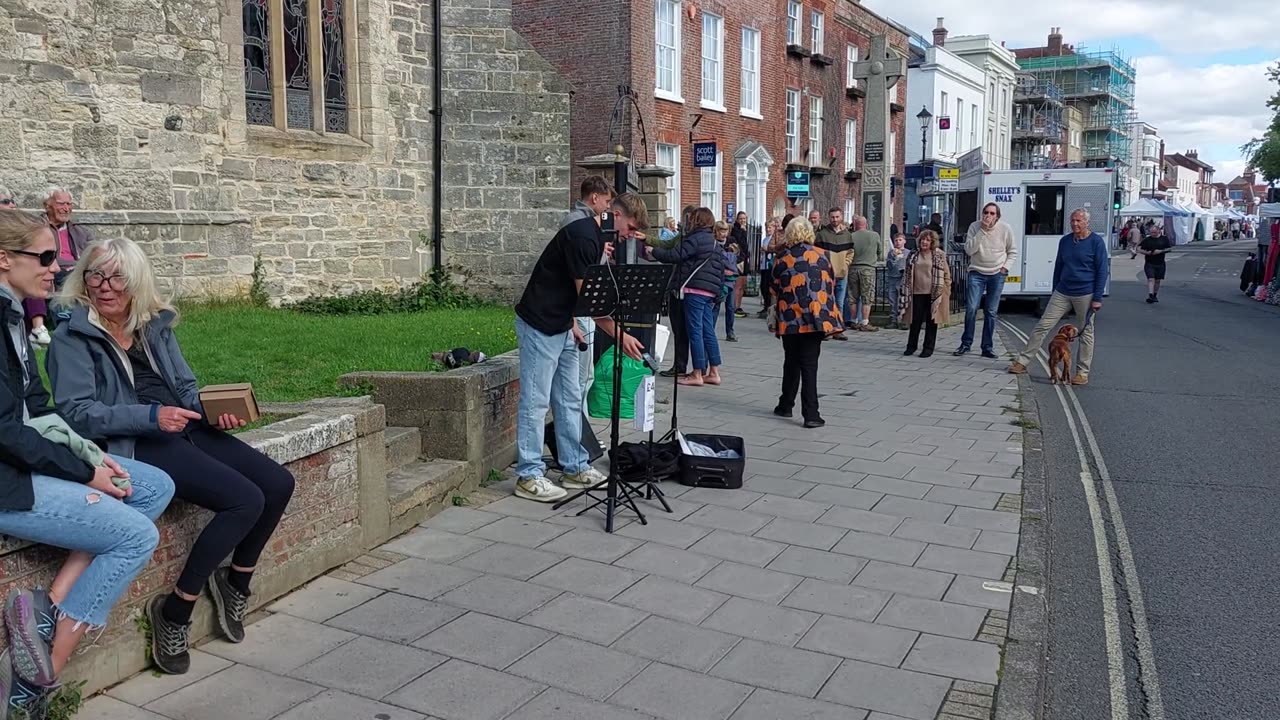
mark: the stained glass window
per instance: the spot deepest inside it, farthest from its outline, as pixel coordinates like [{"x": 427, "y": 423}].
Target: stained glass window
[
  {"x": 257, "y": 63},
  {"x": 297, "y": 68},
  {"x": 335, "y": 67}
]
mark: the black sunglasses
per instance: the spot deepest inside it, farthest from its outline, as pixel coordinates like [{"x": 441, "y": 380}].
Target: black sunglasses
[
  {"x": 7, "y": 202},
  {"x": 45, "y": 258}
]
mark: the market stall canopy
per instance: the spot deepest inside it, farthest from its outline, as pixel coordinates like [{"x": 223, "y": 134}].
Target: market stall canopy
[
  {"x": 1269, "y": 210},
  {"x": 1145, "y": 207}
]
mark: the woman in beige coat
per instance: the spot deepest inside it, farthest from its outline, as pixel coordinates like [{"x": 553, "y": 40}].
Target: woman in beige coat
[{"x": 926, "y": 293}]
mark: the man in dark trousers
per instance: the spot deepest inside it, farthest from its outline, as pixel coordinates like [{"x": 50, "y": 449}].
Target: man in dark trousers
[{"x": 548, "y": 341}]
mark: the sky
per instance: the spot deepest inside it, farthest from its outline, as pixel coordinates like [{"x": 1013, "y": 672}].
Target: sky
[{"x": 1201, "y": 66}]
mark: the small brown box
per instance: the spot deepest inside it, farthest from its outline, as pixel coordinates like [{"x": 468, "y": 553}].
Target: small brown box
[{"x": 235, "y": 398}]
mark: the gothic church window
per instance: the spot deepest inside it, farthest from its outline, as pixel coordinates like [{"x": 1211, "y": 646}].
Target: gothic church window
[{"x": 296, "y": 59}]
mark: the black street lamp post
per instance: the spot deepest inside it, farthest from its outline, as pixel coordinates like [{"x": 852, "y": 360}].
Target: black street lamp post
[{"x": 924, "y": 116}]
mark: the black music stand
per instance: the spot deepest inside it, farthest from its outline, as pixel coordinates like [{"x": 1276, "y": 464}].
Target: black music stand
[{"x": 621, "y": 292}]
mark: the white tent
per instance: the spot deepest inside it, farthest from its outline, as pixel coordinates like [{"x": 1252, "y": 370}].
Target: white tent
[
  {"x": 1198, "y": 225},
  {"x": 1144, "y": 207},
  {"x": 1269, "y": 210}
]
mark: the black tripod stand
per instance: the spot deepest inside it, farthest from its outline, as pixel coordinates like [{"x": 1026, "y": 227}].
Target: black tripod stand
[{"x": 621, "y": 292}]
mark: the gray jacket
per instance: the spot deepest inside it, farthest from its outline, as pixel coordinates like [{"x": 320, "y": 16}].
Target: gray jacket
[{"x": 93, "y": 382}]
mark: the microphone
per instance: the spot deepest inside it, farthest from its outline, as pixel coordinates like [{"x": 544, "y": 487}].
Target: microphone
[{"x": 583, "y": 347}]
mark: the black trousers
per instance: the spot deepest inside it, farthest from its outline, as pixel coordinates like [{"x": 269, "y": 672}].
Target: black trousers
[
  {"x": 800, "y": 372},
  {"x": 679, "y": 333},
  {"x": 921, "y": 314},
  {"x": 246, "y": 490}
]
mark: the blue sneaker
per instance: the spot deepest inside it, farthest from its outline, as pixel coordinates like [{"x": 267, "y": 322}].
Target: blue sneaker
[
  {"x": 46, "y": 616},
  {"x": 32, "y": 660},
  {"x": 22, "y": 700}
]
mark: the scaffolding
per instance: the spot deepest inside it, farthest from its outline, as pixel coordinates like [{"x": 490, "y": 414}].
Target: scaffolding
[
  {"x": 1101, "y": 85},
  {"x": 1037, "y": 121}
]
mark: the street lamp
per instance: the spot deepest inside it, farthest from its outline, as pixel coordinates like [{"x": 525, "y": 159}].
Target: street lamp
[{"x": 924, "y": 116}]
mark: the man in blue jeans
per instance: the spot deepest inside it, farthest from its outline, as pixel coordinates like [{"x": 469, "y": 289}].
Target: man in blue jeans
[
  {"x": 992, "y": 252},
  {"x": 548, "y": 341}
]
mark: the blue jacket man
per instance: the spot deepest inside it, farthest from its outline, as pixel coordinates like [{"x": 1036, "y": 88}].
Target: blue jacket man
[{"x": 1080, "y": 275}]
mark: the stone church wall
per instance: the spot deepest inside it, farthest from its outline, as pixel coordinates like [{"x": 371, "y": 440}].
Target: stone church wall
[{"x": 137, "y": 107}]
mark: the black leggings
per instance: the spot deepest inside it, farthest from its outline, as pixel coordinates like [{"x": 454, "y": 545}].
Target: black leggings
[
  {"x": 680, "y": 363},
  {"x": 246, "y": 490},
  {"x": 922, "y": 314}
]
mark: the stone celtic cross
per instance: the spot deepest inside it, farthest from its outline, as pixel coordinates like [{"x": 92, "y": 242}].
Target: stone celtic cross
[{"x": 879, "y": 73}]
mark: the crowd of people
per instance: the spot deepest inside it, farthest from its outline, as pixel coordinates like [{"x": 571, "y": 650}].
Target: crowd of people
[{"x": 90, "y": 464}]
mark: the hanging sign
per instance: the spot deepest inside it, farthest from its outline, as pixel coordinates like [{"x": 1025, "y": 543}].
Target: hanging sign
[{"x": 704, "y": 154}]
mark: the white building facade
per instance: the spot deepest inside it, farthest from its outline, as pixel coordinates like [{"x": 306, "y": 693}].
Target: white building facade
[
  {"x": 999, "y": 66},
  {"x": 951, "y": 89},
  {"x": 1144, "y": 166}
]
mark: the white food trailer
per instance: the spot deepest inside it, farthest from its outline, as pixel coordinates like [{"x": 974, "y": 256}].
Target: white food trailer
[{"x": 1037, "y": 205}]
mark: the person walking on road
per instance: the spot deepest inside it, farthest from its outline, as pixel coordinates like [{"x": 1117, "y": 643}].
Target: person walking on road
[
  {"x": 1080, "y": 275},
  {"x": 926, "y": 291},
  {"x": 1154, "y": 248},
  {"x": 992, "y": 251}
]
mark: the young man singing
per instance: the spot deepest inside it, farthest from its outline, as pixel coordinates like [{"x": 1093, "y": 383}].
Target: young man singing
[{"x": 548, "y": 340}]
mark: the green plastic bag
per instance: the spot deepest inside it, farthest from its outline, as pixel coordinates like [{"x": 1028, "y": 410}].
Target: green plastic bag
[{"x": 600, "y": 396}]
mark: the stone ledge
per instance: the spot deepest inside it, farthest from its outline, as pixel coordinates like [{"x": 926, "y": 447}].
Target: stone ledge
[{"x": 159, "y": 217}]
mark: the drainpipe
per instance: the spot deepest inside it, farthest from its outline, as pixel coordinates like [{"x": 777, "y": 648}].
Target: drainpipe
[{"x": 437, "y": 138}]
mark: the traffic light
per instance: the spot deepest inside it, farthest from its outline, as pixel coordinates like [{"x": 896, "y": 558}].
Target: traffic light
[{"x": 1117, "y": 200}]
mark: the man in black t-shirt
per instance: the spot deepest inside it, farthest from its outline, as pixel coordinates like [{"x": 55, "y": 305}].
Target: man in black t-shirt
[
  {"x": 1154, "y": 247},
  {"x": 549, "y": 339}
]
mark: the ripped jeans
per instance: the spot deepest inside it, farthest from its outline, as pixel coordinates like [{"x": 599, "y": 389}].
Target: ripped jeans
[{"x": 120, "y": 534}]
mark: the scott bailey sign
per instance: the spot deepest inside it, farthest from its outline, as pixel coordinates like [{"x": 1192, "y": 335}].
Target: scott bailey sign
[{"x": 704, "y": 154}]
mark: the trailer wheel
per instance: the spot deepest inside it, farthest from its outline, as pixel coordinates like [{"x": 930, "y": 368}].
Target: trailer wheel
[{"x": 1042, "y": 304}]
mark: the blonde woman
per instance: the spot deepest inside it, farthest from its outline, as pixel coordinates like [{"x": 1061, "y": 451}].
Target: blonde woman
[
  {"x": 52, "y": 494},
  {"x": 926, "y": 293},
  {"x": 119, "y": 377}
]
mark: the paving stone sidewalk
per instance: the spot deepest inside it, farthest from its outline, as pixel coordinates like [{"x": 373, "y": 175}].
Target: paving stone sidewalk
[{"x": 862, "y": 572}]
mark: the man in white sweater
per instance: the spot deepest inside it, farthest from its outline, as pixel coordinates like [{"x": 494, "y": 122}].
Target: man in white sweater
[{"x": 992, "y": 252}]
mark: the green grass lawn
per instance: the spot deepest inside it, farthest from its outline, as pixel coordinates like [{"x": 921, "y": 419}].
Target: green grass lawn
[{"x": 291, "y": 356}]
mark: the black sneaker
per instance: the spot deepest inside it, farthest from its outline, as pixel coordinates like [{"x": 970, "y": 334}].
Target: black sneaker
[
  {"x": 169, "y": 640},
  {"x": 1155, "y": 298},
  {"x": 672, "y": 373},
  {"x": 1151, "y": 299},
  {"x": 19, "y": 698},
  {"x": 230, "y": 605},
  {"x": 816, "y": 423},
  {"x": 988, "y": 354},
  {"x": 731, "y": 338},
  {"x": 782, "y": 413},
  {"x": 962, "y": 350}
]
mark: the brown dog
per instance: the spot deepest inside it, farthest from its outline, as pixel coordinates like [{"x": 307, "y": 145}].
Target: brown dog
[{"x": 1060, "y": 354}]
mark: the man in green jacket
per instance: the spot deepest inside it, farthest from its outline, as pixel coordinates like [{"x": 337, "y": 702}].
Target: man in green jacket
[
  {"x": 837, "y": 241},
  {"x": 868, "y": 251}
]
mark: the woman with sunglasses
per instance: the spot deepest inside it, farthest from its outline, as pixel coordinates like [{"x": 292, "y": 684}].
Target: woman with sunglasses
[
  {"x": 119, "y": 377},
  {"x": 992, "y": 252},
  {"x": 103, "y": 512}
]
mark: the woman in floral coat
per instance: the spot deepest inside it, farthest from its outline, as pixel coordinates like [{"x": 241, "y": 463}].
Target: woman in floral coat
[
  {"x": 926, "y": 293},
  {"x": 804, "y": 285}
]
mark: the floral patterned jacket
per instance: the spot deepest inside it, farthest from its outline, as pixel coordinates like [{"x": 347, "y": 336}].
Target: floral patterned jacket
[{"x": 805, "y": 287}]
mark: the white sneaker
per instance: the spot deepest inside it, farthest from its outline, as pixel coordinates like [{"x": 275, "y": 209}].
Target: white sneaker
[
  {"x": 539, "y": 489},
  {"x": 40, "y": 336},
  {"x": 588, "y": 478}
]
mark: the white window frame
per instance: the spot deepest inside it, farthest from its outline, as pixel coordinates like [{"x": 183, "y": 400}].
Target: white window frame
[
  {"x": 850, "y": 65},
  {"x": 711, "y": 198},
  {"x": 942, "y": 134},
  {"x": 794, "y": 12},
  {"x": 750, "y": 91},
  {"x": 850, "y": 145},
  {"x": 792, "y": 125},
  {"x": 674, "y": 92},
  {"x": 817, "y": 32},
  {"x": 958, "y": 124},
  {"x": 713, "y": 62},
  {"x": 973, "y": 126},
  {"x": 815, "y": 131},
  {"x": 673, "y": 182},
  {"x": 848, "y": 209}
]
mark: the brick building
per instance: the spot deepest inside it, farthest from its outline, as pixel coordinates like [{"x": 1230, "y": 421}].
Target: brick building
[{"x": 771, "y": 93}]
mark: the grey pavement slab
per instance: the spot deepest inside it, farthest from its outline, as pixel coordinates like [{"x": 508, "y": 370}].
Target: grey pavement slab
[
  {"x": 513, "y": 561},
  {"x": 964, "y": 498},
  {"x": 882, "y": 468},
  {"x": 986, "y": 519},
  {"x": 837, "y": 478},
  {"x": 894, "y": 486},
  {"x": 519, "y": 531},
  {"x": 899, "y": 692},
  {"x": 916, "y": 582},
  {"x": 938, "y": 533},
  {"x": 808, "y": 562},
  {"x": 989, "y": 468},
  {"x": 395, "y": 617},
  {"x": 461, "y": 520},
  {"x": 579, "y": 667},
  {"x": 280, "y": 643},
  {"x": 592, "y": 545},
  {"x": 814, "y": 460},
  {"x": 556, "y": 704},
  {"x": 145, "y": 687},
  {"x": 804, "y": 510},
  {"x": 671, "y": 599},
  {"x": 760, "y": 621},
  {"x": 808, "y": 534},
  {"x": 368, "y": 667},
  {"x": 738, "y": 548},
  {"x": 863, "y": 520},
  {"x": 963, "y": 562},
  {"x": 998, "y": 484},
  {"x": 933, "y": 616},
  {"x": 435, "y": 545},
  {"x": 880, "y": 547},
  {"x": 847, "y": 497},
  {"x": 519, "y": 507},
  {"x": 337, "y": 705},
  {"x": 791, "y": 670},
  {"x": 908, "y": 507},
  {"x": 778, "y": 486},
  {"x": 979, "y": 592},
  {"x": 722, "y": 518},
  {"x": 485, "y": 640},
  {"x": 458, "y": 690},
  {"x": 586, "y": 577},
  {"x": 239, "y": 692},
  {"x": 847, "y": 601},
  {"x": 419, "y": 578},
  {"x": 859, "y": 640},
  {"x": 586, "y": 618},
  {"x": 924, "y": 459},
  {"x": 674, "y": 693},
  {"x": 1001, "y": 543},
  {"x": 504, "y": 597},
  {"x": 771, "y": 705},
  {"x": 950, "y": 657},
  {"x": 736, "y": 499},
  {"x": 324, "y": 598},
  {"x": 676, "y": 643},
  {"x": 105, "y": 707},
  {"x": 749, "y": 582},
  {"x": 669, "y": 562},
  {"x": 665, "y": 532}
]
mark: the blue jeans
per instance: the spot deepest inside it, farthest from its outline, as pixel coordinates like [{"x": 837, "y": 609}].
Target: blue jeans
[
  {"x": 549, "y": 379},
  {"x": 992, "y": 286},
  {"x": 842, "y": 297},
  {"x": 895, "y": 296},
  {"x": 120, "y": 534},
  {"x": 700, "y": 317},
  {"x": 730, "y": 309}
]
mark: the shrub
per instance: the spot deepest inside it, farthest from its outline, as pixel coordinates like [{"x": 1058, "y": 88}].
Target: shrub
[{"x": 438, "y": 293}]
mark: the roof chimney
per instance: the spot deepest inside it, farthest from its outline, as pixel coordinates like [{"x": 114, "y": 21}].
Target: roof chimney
[
  {"x": 1193, "y": 154},
  {"x": 1055, "y": 41},
  {"x": 940, "y": 34}
]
